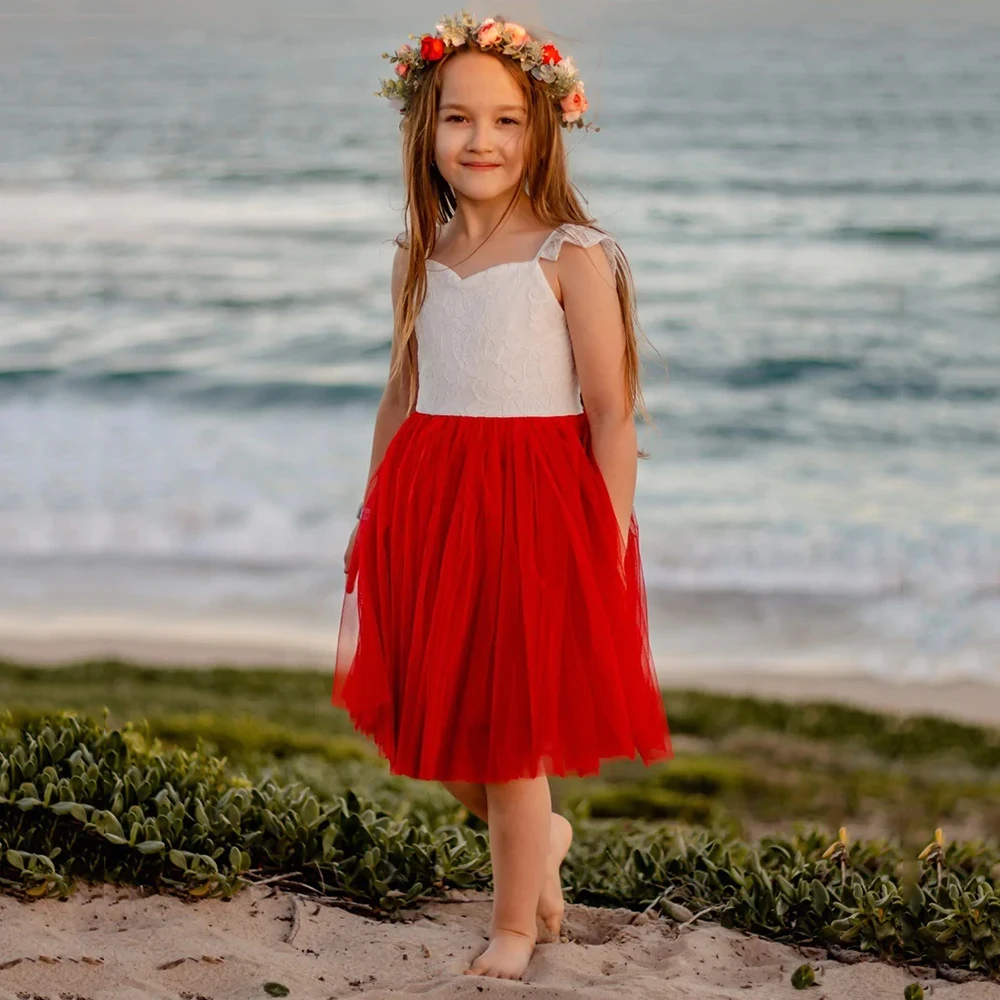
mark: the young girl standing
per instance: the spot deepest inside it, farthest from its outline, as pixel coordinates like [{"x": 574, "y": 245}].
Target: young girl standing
[{"x": 494, "y": 627}]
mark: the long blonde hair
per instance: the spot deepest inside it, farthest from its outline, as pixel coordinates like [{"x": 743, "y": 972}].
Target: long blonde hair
[{"x": 430, "y": 202}]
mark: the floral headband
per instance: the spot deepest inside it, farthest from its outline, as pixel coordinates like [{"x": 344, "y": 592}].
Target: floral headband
[{"x": 541, "y": 60}]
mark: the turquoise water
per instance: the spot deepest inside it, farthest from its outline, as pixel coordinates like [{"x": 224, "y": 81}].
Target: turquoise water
[{"x": 195, "y": 236}]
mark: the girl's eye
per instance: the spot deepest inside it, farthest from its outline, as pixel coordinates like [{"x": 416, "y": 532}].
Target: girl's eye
[{"x": 451, "y": 117}]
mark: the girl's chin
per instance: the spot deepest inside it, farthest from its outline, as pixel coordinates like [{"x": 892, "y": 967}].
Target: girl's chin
[{"x": 490, "y": 183}]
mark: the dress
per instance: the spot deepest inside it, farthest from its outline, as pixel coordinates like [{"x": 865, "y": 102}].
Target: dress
[{"x": 492, "y": 627}]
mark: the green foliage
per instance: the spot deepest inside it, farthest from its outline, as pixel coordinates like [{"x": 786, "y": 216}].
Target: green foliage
[
  {"x": 804, "y": 977},
  {"x": 643, "y": 802},
  {"x": 111, "y": 806},
  {"x": 761, "y": 763},
  {"x": 785, "y": 889},
  {"x": 299, "y": 699},
  {"x": 81, "y": 800},
  {"x": 244, "y": 774},
  {"x": 243, "y": 735},
  {"x": 890, "y": 736}
]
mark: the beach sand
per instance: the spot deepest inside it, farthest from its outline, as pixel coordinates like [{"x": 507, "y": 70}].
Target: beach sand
[{"x": 155, "y": 947}]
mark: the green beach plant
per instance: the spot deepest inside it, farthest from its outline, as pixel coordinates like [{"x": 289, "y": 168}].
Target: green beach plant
[{"x": 80, "y": 800}]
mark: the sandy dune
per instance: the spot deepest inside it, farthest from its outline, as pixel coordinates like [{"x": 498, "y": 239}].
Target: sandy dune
[{"x": 148, "y": 947}]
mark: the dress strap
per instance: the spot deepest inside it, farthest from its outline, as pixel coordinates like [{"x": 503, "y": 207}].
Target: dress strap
[{"x": 584, "y": 236}]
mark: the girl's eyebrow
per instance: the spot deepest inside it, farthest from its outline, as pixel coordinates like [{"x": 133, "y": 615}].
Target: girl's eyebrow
[{"x": 499, "y": 107}]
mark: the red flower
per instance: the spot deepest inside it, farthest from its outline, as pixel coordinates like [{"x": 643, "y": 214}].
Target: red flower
[
  {"x": 550, "y": 54},
  {"x": 431, "y": 48}
]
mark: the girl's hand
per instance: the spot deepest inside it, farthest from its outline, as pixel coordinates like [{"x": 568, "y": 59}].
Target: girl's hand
[{"x": 350, "y": 546}]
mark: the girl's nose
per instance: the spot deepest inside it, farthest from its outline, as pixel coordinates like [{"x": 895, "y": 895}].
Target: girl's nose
[{"x": 481, "y": 140}]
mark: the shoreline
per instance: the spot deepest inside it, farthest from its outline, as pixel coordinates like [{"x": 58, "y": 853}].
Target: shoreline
[{"x": 202, "y": 644}]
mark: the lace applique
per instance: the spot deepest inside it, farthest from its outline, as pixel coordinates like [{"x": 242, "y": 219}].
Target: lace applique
[{"x": 584, "y": 236}]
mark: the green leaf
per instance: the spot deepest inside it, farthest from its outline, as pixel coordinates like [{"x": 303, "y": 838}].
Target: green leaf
[
  {"x": 885, "y": 929},
  {"x": 784, "y": 886},
  {"x": 107, "y": 822},
  {"x": 820, "y": 896},
  {"x": 916, "y": 899},
  {"x": 310, "y": 812}
]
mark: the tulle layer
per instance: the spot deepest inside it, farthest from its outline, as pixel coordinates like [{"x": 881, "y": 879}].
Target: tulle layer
[{"x": 494, "y": 626}]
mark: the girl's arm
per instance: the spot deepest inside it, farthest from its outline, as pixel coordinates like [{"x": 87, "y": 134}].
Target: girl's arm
[
  {"x": 394, "y": 405},
  {"x": 597, "y": 333}
]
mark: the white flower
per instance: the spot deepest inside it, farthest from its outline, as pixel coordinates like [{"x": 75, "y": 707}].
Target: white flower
[
  {"x": 565, "y": 65},
  {"x": 450, "y": 34}
]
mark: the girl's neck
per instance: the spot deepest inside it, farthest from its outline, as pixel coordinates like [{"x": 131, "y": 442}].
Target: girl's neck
[{"x": 473, "y": 223}]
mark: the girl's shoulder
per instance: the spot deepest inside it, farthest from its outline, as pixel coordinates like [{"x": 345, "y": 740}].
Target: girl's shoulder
[{"x": 580, "y": 235}]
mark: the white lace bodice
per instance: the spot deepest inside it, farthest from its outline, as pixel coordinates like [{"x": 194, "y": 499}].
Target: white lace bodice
[{"x": 496, "y": 343}]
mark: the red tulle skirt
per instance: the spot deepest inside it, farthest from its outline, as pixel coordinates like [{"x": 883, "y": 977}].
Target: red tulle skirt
[{"x": 494, "y": 626}]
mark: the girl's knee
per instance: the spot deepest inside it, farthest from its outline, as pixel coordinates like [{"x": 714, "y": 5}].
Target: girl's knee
[{"x": 510, "y": 793}]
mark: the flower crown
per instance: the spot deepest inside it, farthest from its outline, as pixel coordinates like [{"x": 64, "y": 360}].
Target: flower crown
[{"x": 541, "y": 59}]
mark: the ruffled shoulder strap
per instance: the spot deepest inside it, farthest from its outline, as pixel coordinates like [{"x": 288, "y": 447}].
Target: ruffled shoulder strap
[{"x": 584, "y": 236}]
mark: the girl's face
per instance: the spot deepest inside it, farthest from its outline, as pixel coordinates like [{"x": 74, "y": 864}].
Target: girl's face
[{"x": 481, "y": 118}]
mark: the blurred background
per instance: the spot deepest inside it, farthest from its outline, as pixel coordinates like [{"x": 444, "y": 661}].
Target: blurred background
[{"x": 196, "y": 213}]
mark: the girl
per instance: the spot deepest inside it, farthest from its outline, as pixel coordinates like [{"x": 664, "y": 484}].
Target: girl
[{"x": 494, "y": 626}]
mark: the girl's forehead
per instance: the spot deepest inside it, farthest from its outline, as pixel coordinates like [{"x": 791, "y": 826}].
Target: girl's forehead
[
  {"x": 482, "y": 100},
  {"x": 472, "y": 77}
]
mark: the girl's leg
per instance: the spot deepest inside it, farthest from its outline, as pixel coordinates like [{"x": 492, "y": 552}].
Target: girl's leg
[
  {"x": 551, "y": 905},
  {"x": 519, "y": 823},
  {"x": 472, "y": 795}
]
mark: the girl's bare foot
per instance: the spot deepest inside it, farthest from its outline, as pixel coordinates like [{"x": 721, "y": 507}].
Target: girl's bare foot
[
  {"x": 550, "y": 901},
  {"x": 506, "y": 957}
]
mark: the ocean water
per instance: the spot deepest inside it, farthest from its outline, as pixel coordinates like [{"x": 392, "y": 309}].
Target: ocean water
[{"x": 196, "y": 215}]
